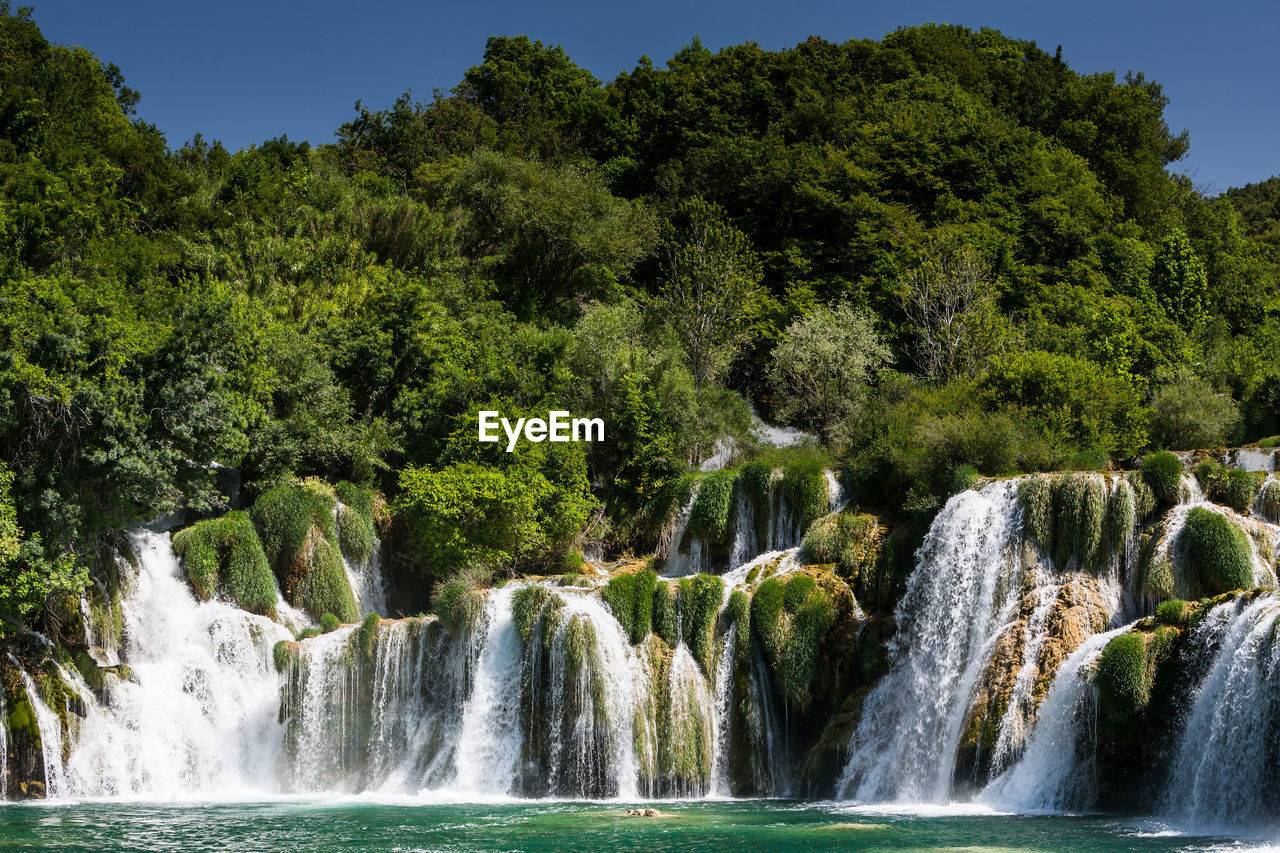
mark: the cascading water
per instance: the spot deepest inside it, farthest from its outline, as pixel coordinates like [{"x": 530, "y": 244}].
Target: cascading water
[
  {"x": 364, "y": 576},
  {"x": 723, "y": 701},
  {"x": 51, "y": 752},
  {"x": 957, "y": 601},
  {"x": 1224, "y": 769},
  {"x": 1055, "y": 772}
]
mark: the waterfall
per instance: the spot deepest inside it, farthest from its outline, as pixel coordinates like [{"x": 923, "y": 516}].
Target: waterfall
[
  {"x": 680, "y": 563},
  {"x": 835, "y": 491},
  {"x": 1056, "y": 770},
  {"x": 957, "y": 603},
  {"x": 365, "y": 577},
  {"x": 723, "y": 701},
  {"x": 745, "y": 544},
  {"x": 198, "y": 714},
  {"x": 51, "y": 749},
  {"x": 1223, "y": 770},
  {"x": 489, "y": 743}
]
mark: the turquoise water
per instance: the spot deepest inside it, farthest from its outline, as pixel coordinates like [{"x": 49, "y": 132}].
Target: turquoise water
[{"x": 741, "y": 827}]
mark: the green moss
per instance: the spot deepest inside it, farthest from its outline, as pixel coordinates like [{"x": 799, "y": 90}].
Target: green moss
[
  {"x": 1163, "y": 473},
  {"x": 1218, "y": 553},
  {"x": 1238, "y": 489},
  {"x": 712, "y": 511},
  {"x": 1207, "y": 473},
  {"x": 526, "y": 604},
  {"x": 458, "y": 599},
  {"x": 324, "y": 587},
  {"x": 1273, "y": 441},
  {"x": 1035, "y": 493},
  {"x": 700, "y": 600},
  {"x": 789, "y": 621},
  {"x": 631, "y": 598},
  {"x": 329, "y": 623},
  {"x": 1079, "y": 503},
  {"x": 755, "y": 479},
  {"x": 367, "y": 636},
  {"x": 665, "y": 618},
  {"x": 1144, "y": 500},
  {"x": 285, "y": 516},
  {"x": 851, "y": 541},
  {"x": 355, "y": 534},
  {"x": 282, "y": 655},
  {"x": 224, "y": 557},
  {"x": 1124, "y": 515},
  {"x": 1122, "y": 675},
  {"x": 804, "y": 482},
  {"x": 308, "y": 633},
  {"x": 1172, "y": 612}
]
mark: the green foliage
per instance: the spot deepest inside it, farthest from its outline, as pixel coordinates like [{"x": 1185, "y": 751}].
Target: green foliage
[
  {"x": 804, "y": 482},
  {"x": 665, "y": 616},
  {"x": 367, "y": 636},
  {"x": 1188, "y": 413},
  {"x": 712, "y": 514},
  {"x": 1172, "y": 612},
  {"x": 821, "y": 367},
  {"x": 458, "y": 598},
  {"x": 526, "y": 604},
  {"x": 329, "y": 623},
  {"x": 224, "y": 556},
  {"x": 789, "y": 620},
  {"x": 1122, "y": 681},
  {"x": 355, "y": 521},
  {"x": 849, "y": 540},
  {"x": 1218, "y": 553},
  {"x": 1162, "y": 471},
  {"x": 965, "y": 477},
  {"x": 630, "y": 597},
  {"x": 700, "y": 600},
  {"x": 282, "y": 655},
  {"x": 1238, "y": 488},
  {"x": 1207, "y": 473}
]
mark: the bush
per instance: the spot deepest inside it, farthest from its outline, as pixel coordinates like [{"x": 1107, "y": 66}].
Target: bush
[
  {"x": 1238, "y": 489},
  {"x": 224, "y": 556},
  {"x": 1172, "y": 612},
  {"x": 282, "y": 655},
  {"x": 849, "y": 540},
  {"x": 1122, "y": 675},
  {"x": 1271, "y": 441},
  {"x": 1218, "y": 553},
  {"x": 964, "y": 478},
  {"x": 700, "y": 600},
  {"x": 355, "y": 534},
  {"x": 755, "y": 479},
  {"x": 329, "y": 623},
  {"x": 1187, "y": 413},
  {"x": 804, "y": 482},
  {"x": 1162, "y": 471},
  {"x": 631, "y": 597},
  {"x": 296, "y": 523},
  {"x": 797, "y": 591},
  {"x": 712, "y": 513},
  {"x": 368, "y": 635},
  {"x": 457, "y": 599},
  {"x": 1208, "y": 472}
]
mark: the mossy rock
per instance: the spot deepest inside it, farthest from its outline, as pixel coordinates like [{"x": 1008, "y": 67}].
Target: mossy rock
[
  {"x": 790, "y": 617},
  {"x": 1127, "y": 667},
  {"x": 849, "y": 541},
  {"x": 299, "y": 535},
  {"x": 699, "y": 603},
  {"x": 1218, "y": 554}
]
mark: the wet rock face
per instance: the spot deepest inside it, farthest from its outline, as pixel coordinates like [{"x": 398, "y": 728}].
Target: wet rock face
[{"x": 1054, "y": 617}]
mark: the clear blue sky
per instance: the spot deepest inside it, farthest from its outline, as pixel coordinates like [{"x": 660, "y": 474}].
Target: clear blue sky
[{"x": 243, "y": 71}]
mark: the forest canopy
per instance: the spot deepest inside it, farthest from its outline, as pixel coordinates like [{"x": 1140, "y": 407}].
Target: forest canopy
[{"x": 942, "y": 250}]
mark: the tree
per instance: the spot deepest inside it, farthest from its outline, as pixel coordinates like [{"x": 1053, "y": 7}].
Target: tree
[
  {"x": 820, "y": 369},
  {"x": 711, "y": 287},
  {"x": 1179, "y": 281},
  {"x": 952, "y": 312},
  {"x": 1188, "y": 414}
]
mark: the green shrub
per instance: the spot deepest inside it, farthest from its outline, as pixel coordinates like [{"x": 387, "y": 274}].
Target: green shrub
[
  {"x": 368, "y": 635},
  {"x": 329, "y": 623},
  {"x": 308, "y": 633},
  {"x": 712, "y": 512},
  {"x": 224, "y": 556},
  {"x": 324, "y": 587},
  {"x": 457, "y": 599},
  {"x": 798, "y": 589},
  {"x": 849, "y": 540},
  {"x": 355, "y": 534},
  {"x": 1272, "y": 441},
  {"x": 282, "y": 655},
  {"x": 1144, "y": 500},
  {"x": 1207, "y": 473},
  {"x": 1238, "y": 489},
  {"x": 964, "y": 478},
  {"x": 572, "y": 561},
  {"x": 665, "y": 617},
  {"x": 526, "y": 604},
  {"x": 804, "y": 482},
  {"x": 1122, "y": 675},
  {"x": 1217, "y": 551},
  {"x": 285, "y": 516},
  {"x": 1172, "y": 612},
  {"x": 1163, "y": 473},
  {"x": 631, "y": 597},
  {"x": 789, "y": 620},
  {"x": 700, "y": 600},
  {"x": 755, "y": 479}
]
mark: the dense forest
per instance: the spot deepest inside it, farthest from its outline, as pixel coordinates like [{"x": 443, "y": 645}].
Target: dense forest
[{"x": 943, "y": 254}]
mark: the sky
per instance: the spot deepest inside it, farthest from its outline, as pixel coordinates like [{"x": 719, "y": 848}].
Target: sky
[{"x": 244, "y": 72}]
